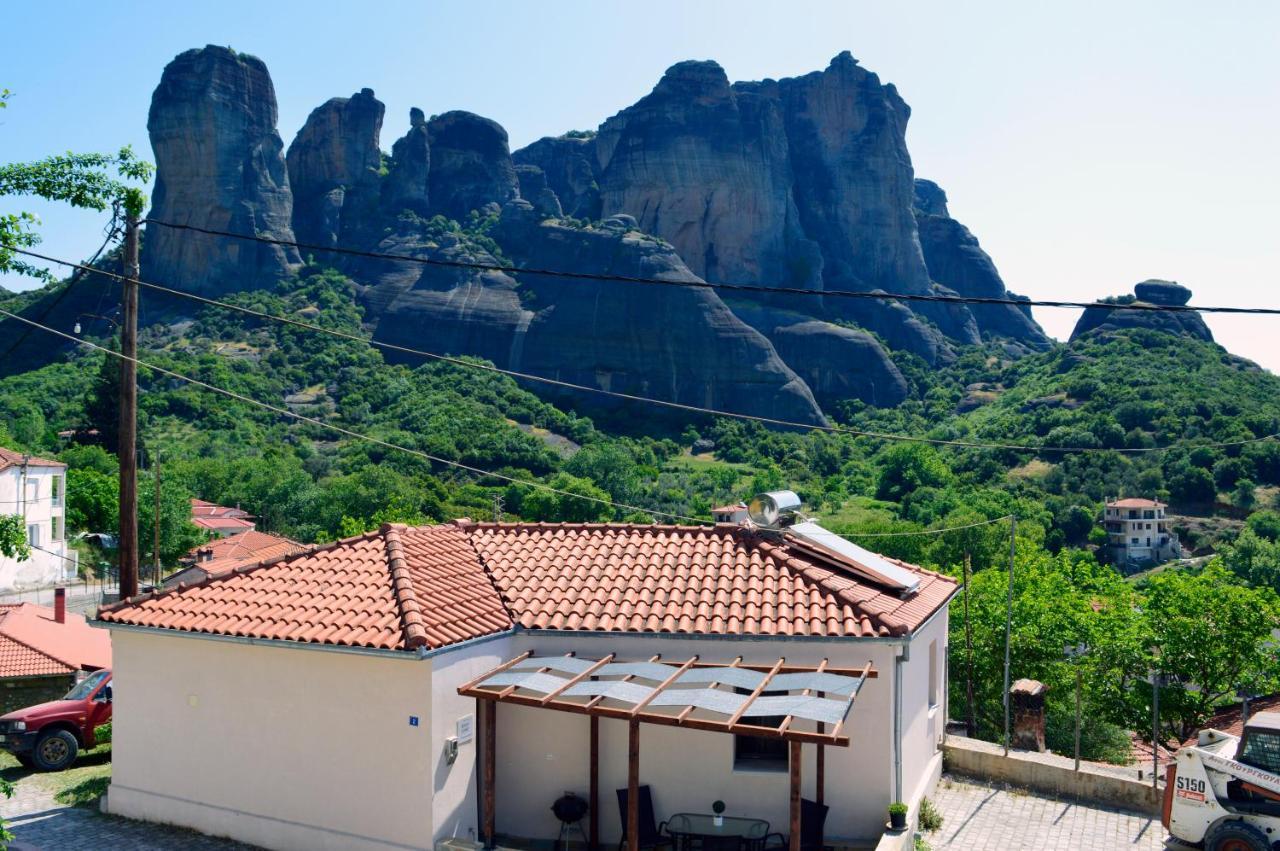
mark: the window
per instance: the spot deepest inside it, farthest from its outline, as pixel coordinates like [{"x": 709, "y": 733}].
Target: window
[
  {"x": 33, "y": 489},
  {"x": 1261, "y": 749},
  {"x": 1133, "y": 541},
  {"x": 55, "y": 530},
  {"x": 760, "y": 753},
  {"x": 1148, "y": 515},
  {"x": 33, "y": 534},
  {"x": 56, "y": 485},
  {"x": 933, "y": 674}
]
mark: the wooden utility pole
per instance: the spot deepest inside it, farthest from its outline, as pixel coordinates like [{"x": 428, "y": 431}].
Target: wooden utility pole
[
  {"x": 127, "y": 451},
  {"x": 155, "y": 551},
  {"x": 970, "y": 721}
]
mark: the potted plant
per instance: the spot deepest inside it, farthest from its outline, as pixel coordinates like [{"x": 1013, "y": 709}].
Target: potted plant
[{"x": 898, "y": 815}]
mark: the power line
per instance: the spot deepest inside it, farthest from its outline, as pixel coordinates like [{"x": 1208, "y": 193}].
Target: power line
[
  {"x": 694, "y": 409},
  {"x": 388, "y": 445},
  {"x": 340, "y": 429},
  {"x": 735, "y": 287},
  {"x": 925, "y": 531}
]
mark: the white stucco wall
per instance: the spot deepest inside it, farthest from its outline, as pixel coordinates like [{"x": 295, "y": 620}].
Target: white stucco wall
[
  {"x": 543, "y": 753},
  {"x": 39, "y": 507},
  {"x": 286, "y": 748}
]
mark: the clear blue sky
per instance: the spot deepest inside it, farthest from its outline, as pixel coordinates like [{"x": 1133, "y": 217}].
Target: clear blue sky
[{"x": 1088, "y": 145}]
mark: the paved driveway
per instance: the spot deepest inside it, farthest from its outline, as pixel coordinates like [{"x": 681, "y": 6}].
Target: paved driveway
[
  {"x": 983, "y": 817},
  {"x": 39, "y": 823}
]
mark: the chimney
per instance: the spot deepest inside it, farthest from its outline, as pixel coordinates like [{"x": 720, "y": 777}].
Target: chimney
[
  {"x": 60, "y": 604},
  {"x": 1027, "y": 698}
]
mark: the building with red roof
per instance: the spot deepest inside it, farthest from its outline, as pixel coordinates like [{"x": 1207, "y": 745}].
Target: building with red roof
[
  {"x": 43, "y": 651},
  {"x": 329, "y": 695},
  {"x": 224, "y": 554},
  {"x": 219, "y": 519},
  {"x": 1138, "y": 533}
]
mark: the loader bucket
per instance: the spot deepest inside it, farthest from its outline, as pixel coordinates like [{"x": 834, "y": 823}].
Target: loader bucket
[{"x": 1166, "y": 806}]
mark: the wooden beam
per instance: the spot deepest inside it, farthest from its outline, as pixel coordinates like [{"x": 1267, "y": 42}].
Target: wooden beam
[
  {"x": 786, "y": 722},
  {"x": 490, "y": 728},
  {"x": 578, "y": 678},
  {"x": 742, "y": 710},
  {"x": 591, "y": 704},
  {"x": 594, "y": 800},
  {"x": 498, "y": 670},
  {"x": 511, "y": 689},
  {"x": 795, "y": 796},
  {"x": 820, "y": 766},
  {"x": 635, "y": 710},
  {"x": 670, "y": 720},
  {"x": 794, "y": 669},
  {"x": 684, "y": 713},
  {"x": 849, "y": 703},
  {"x": 633, "y": 786}
]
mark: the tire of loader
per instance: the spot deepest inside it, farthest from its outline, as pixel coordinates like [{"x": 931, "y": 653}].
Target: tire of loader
[{"x": 1233, "y": 835}]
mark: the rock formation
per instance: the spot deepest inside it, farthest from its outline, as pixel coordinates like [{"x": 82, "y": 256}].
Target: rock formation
[
  {"x": 218, "y": 165},
  {"x": 1155, "y": 292},
  {"x": 333, "y": 167},
  {"x": 470, "y": 164},
  {"x": 802, "y": 182},
  {"x": 956, "y": 261}
]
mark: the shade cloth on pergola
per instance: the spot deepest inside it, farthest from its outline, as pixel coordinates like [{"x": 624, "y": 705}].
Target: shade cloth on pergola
[{"x": 691, "y": 693}]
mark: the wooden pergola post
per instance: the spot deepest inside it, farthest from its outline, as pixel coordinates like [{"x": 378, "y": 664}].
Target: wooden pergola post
[
  {"x": 795, "y": 795},
  {"x": 594, "y": 803},
  {"x": 633, "y": 786},
  {"x": 821, "y": 766},
  {"x": 489, "y": 730}
]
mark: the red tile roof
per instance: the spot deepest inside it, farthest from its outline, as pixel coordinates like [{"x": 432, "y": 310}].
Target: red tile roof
[
  {"x": 1135, "y": 502},
  {"x": 222, "y": 523},
  {"x": 9, "y": 458},
  {"x": 201, "y": 508},
  {"x": 248, "y": 547},
  {"x": 402, "y": 588},
  {"x": 28, "y": 631}
]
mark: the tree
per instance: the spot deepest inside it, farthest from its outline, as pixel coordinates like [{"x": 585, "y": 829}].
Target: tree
[
  {"x": 13, "y": 537},
  {"x": 542, "y": 504},
  {"x": 177, "y": 533},
  {"x": 88, "y": 181},
  {"x": 1211, "y": 631},
  {"x": 908, "y": 466}
]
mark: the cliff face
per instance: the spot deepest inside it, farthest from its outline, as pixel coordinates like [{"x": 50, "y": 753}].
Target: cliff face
[
  {"x": 956, "y": 261},
  {"x": 1155, "y": 292},
  {"x": 218, "y": 165},
  {"x": 802, "y": 182}
]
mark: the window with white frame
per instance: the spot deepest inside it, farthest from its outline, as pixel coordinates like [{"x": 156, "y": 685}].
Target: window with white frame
[
  {"x": 55, "y": 528},
  {"x": 33, "y": 534},
  {"x": 933, "y": 673},
  {"x": 56, "y": 493}
]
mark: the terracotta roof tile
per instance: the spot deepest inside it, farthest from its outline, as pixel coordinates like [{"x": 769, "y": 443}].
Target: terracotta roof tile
[
  {"x": 69, "y": 646},
  {"x": 9, "y": 458},
  {"x": 406, "y": 587}
]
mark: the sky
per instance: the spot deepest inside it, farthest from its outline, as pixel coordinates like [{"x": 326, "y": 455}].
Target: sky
[{"x": 1088, "y": 145}]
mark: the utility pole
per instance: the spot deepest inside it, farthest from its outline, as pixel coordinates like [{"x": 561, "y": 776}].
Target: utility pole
[
  {"x": 155, "y": 551},
  {"x": 971, "y": 724},
  {"x": 127, "y": 451},
  {"x": 1008, "y": 626}
]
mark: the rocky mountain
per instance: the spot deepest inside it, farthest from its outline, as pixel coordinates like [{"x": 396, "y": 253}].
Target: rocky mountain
[
  {"x": 803, "y": 182},
  {"x": 1154, "y": 292}
]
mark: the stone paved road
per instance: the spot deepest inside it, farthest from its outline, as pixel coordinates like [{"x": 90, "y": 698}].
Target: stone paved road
[
  {"x": 39, "y": 823},
  {"x": 983, "y": 817}
]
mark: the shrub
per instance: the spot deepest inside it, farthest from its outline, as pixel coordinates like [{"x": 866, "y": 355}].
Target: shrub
[
  {"x": 930, "y": 818},
  {"x": 897, "y": 808}
]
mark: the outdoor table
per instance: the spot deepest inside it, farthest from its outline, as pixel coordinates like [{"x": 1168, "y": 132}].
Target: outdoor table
[{"x": 696, "y": 831}]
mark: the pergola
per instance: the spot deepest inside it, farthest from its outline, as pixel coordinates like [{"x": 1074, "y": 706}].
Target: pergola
[{"x": 690, "y": 693}]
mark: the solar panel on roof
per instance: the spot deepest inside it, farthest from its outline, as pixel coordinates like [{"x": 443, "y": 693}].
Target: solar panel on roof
[{"x": 861, "y": 561}]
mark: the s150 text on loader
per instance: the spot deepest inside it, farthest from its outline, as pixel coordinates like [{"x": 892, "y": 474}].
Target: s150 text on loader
[{"x": 1224, "y": 791}]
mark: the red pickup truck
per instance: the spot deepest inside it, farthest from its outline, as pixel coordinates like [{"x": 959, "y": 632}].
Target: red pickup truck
[{"x": 48, "y": 736}]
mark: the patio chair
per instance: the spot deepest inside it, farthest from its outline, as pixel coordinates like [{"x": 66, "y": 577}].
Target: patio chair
[
  {"x": 813, "y": 820},
  {"x": 652, "y": 833}
]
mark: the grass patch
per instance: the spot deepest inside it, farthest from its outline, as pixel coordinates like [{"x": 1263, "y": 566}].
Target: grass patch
[{"x": 81, "y": 784}]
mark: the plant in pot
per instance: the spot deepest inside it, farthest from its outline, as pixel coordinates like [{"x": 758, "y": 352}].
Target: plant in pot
[{"x": 898, "y": 815}]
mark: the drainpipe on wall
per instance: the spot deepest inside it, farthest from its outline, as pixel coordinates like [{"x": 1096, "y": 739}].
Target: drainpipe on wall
[{"x": 903, "y": 655}]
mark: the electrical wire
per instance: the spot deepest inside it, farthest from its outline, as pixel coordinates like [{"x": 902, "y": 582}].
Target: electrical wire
[
  {"x": 388, "y": 445},
  {"x": 735, "y": 287},
  {"x": 694, "y": 409}
]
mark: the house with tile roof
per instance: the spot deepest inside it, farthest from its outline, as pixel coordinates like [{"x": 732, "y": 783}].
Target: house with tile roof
[
  {"x": 35, "y": 489},
  {"x": 416, "y": 684},
  {"x": 220, "y": 520},
  {"x": 1138, "y": 532},
  {"x": 44, "y": 651},
  {"x": 224, "y": 554}
]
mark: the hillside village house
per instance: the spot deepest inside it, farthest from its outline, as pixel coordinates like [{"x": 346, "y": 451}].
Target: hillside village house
[
  {"x": 35, "y": 488},
  {"x": 220, "y": 520},
  {"x": 408, "y": 685},
  {"x": 45, "y": 651},
  {"x": 223, "y": 554},
  {"x": 1138, "y": 532}
]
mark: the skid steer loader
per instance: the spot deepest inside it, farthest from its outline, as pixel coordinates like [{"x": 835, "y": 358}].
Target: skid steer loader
[{"x": 1224, "y": 791}]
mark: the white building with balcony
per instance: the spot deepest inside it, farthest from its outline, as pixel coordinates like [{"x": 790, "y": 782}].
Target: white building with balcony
[
  {"x": 1138, "y": 533},
  {"x": 35, "y": 489}
]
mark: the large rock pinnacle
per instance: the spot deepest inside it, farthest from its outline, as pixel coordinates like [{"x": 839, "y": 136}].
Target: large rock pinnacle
[{"x": 219, "y": 165}]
